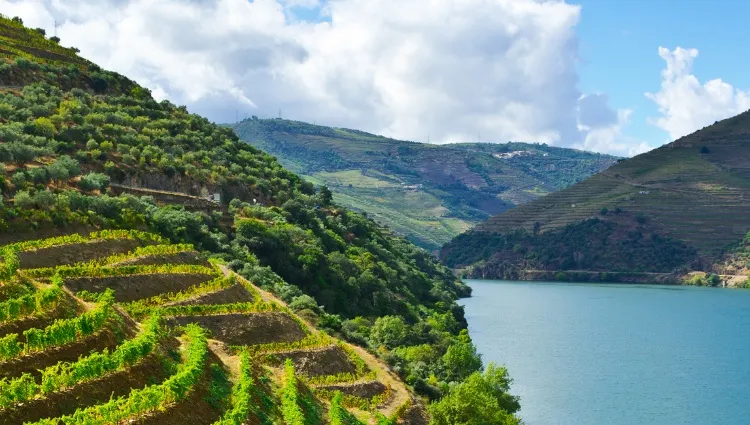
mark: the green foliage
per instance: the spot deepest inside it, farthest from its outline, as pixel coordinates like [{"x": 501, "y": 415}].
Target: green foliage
[
  {"x": 151, "y": 398},
  {"x": 390, "y": 331},
  {"x": 62, "y": 331},
  {"x": 66, "y": 374},
  {"x": 290, "y": 408},
  {"x": 461, "y": 360},
  {"x": 482, "y": 399},
  {"x": 94, "y": 181},
  {"x": 242, "y": 394},
  {"x": 36, "y": 303},
  {"x": 569, "y": 248}
]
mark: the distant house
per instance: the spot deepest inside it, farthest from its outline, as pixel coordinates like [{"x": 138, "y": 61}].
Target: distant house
[
  {"x": 215, "y": 198},
  {"x": 644, "y": 192}
]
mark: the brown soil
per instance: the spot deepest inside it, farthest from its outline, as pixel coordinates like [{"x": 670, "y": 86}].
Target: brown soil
[
  {"x": 247, "y": 329},
  {"x": 75, "y": 253},
  {"x": 327, "y": 361},
  {"x": 233, "y": 294},
  {"x": 69, "y": 353},
  {"x": 44, "y": 233},
  {"x": 138, "y": 287},
  {"x": 190, "y": 257},
  {"x": 195, "y": 409},
  {"x": 64, "y": 310},
  {"x": 414, "y": 415},
  {"x": 10, "y": 290},
  {"x": 147, "y": 372},
  {"x": 366, "y": 390}
]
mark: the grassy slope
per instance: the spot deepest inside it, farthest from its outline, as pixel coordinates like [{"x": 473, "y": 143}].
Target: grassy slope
[
  {"x": 462, "y": 183},
  {"x": 698, "y": 196}
]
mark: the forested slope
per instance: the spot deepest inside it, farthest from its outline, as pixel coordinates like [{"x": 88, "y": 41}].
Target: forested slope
[{"x": 678, "y": 209}]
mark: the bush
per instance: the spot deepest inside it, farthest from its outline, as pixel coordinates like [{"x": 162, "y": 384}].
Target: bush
[
  {"x": 482, "y": 399},
  {"x": 23, "y": 200},
  {"x": 94, "y": 181},
  {"x": 304, "y": 302}
]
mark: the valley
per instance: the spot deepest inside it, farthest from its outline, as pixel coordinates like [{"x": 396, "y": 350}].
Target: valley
[{"x": 426, "y": 192}]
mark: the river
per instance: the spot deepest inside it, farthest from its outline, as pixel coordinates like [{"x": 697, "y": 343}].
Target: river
[{"x": 609, "y": 354}]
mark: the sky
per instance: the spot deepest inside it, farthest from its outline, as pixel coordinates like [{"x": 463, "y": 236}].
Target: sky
[{"x": 612, "y": 76}]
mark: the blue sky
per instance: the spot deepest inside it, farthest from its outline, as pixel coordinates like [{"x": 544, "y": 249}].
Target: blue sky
[
  {"x": 618, "y": 49},
  {"x": 619, "y": 41}
]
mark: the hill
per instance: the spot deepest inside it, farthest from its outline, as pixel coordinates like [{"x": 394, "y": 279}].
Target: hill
[
  {"x": 429, "y": 193},
  {"x": 682, "y": 207},
  {"x": 131, "y": 293}
]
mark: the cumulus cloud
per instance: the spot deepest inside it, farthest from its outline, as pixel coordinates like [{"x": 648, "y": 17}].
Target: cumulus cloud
[
  {"x": 403, "y": 68},
  {"x": 685, "y": 104}
]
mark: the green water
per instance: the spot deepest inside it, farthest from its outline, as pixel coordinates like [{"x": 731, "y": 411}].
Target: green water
[{"x": 590, "y": 354}]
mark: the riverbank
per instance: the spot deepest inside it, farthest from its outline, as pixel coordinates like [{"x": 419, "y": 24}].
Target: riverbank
[{"x": 583, "y": 276}]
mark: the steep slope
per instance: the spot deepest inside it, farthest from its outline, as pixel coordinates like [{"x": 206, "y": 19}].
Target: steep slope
[
  {"x": 678, "y": 208},
  {"x": 104, "y": 188},
  {"x": 429, "y": 193},
  {"x": 229, "y": 363}
]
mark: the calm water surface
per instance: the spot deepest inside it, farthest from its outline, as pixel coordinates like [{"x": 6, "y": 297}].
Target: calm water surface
[{"x": 589, "y": 354}]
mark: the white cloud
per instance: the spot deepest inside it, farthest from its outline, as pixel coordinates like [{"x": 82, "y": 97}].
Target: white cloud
[
  {"x": 685, "y": 104},
  {"x": 403, "y": 68}
]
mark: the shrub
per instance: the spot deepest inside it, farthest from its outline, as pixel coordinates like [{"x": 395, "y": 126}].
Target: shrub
[
  {"x": 23, "y": 199},
  {"x": 94, "y": 181}
]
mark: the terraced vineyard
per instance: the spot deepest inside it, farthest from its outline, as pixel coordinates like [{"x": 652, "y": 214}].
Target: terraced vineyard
[
  {"x": 123, "y": 327},
  {"x": 693, "y": 191}
]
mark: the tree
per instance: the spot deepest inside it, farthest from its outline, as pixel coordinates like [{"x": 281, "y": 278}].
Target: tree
[
  {"x": 537, "y": 227},
  {"x": 482, "y": 399},
  {"x": 390, "y": 331},
  {"x": 55, "y": 39},
  {"x": 94, "y": 181},
  {"x": 41, "y": 31},
  {"x": 461, "y": 360}
]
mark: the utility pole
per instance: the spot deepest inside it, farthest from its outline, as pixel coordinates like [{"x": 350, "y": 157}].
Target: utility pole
[
  {"x": 279, "y": 113},
  {"x": 56, "y": 25}
]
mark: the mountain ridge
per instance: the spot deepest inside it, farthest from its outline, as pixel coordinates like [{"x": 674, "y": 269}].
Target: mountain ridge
[
  {"x": 692, "y": 192},
  {"x": 427, "y": 192}
]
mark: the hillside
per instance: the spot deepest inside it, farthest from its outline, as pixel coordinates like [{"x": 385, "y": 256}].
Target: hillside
[
  {"x": 130, "y": 294},
  {"x": 679, "y": 208},
  {"x": 429, "y": 193}
]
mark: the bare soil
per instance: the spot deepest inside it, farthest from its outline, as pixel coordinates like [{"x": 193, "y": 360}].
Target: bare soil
[
  {"x": 194, "y": 410},
  {"x": 190, "y": 257},
  {"x": 366, "y": 390},
  {"x": 66, "y": 353},
  {"x": 247, "y": 329},
  {"x": 44, "y": 233},
  {"x": 414, "y": 415},
  {"x": 75, "y": 253},
  {"x": 137, "y": 287},
  {"x": 327, "y": 361},
  {"x": 66, "y": 309},
  {"x": 233, "y": 294},
  {"x": 147, "y": 372}
]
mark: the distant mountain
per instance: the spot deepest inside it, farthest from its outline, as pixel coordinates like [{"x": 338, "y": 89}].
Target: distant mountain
[
  {"x": 681, "y": 208},
  {"x": 429, "y": 193}
]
